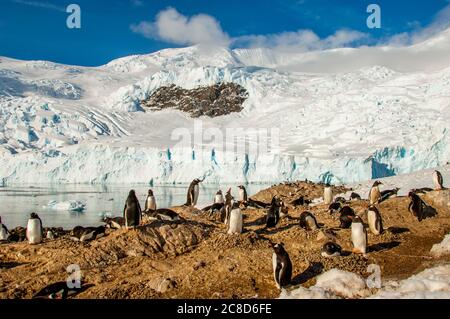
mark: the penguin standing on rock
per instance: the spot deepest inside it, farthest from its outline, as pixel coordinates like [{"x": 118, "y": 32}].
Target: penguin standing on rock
[
  {"x": 273, "y": 214},
  {"x": 359, "y": 236},
  {"x": 375, "y": 194},
  {"x": 4, "y": 232},
  {"x": 328, "y": 194},
  {"x": 374, "y": 220},
  {"x": 34, "y": 229},
  {"x": 132, "y": 211},
  {"x": 150, "y": 202},
  {"x": 236, "y": 220},
  {"x": 193, "y": 192},
  {"x": 282, "y": 266},
  {"x": 228, "y": 206},
  {"x": 438, "y": 180},
  {"x": 243, "y": 197}
]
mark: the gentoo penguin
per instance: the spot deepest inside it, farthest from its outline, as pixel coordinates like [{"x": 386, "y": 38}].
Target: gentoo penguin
[
  {"x": 389, "y": 193},
  {"x": 59, "y": 290},
  {"x": 50, "y": 235},
  {"x": 163, "y": 214},
  {"x": 114, "y": 222},
  {"x": 359, "y": 236},
  {"x": 4, "y": 232},
  {"x": 355, "y": 196},
  {"x": 346, "y": 217},
  {"x": 132, "y": 210},
  {"x": 330, "y": 250},
  {"x": 438, "y": 180},
  {"x": 242, "y": 194},
  {"x": 334, "y": 207},
  {"x": 340, "y": 199},
  {"x": 273, "y": 214},
  {"x": 236, "y": 220},
  {"x": 193, "y": 192},
  {"x": 416, "y": 206},
  {"x": 218, "y": 199},
  {"x": 228, "y": 206},
  {"x": 34, "y": 229},
  {"x": 84, "y": 234},
  {"x": 300, "y": 201},
  {"x": 150, "y": 202},
  {"x": 282, "y": 266},
  {"x": 308, "y": 221},
  {"x": 374, "y": 194},
  {"x": 328, "y": 194},
  {"x": 374, "y": 220}
]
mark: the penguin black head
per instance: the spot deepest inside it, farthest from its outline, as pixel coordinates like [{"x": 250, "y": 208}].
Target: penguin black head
[
  {"x": 150, "y": 192},
  {"x": 34, "y": 216},
  {"x": 132, "y": 193},
  {"x": 241, "y": 187},
  {"x": 356, "y": 219},
  {"x": 377, "y": 183},
  {"x": 327, "y": 185},
  {"x": 0, "y": 219},
  {"x": 331, "y": 248},
  {"x": 278, "y": 248},
  {"x": 219, "y": 192}
]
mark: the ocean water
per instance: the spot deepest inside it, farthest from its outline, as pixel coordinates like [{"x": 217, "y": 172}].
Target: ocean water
[{"x": 17, "y": 202}]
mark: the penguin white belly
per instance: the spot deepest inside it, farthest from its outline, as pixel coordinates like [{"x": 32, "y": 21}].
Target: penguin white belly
[
  {"x": 196, "y": 192},
  {"x": 359, "y": 238},
  {"x": 328, "y": 195},
  {"x": 373, "y": 222},
  {"x": 34, "y": 231},
  {"x": 311, "y": 223},
  {"x": 151, "y": 203},
  {"x": 235, "y": 222},
  {"x": 3, "y": 233},
  {"x": 87, "y": 236},
  {"x": 374, "y": 195},
  {"x": 274, "y": 264},
  {"x": 436, "y": 180},
  {"x": 241, "y": 195},
  {"x": 218, "y": 199}
]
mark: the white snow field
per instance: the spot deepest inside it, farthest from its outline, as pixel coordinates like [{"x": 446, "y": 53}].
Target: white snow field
[{"x": 69, "y": 124}]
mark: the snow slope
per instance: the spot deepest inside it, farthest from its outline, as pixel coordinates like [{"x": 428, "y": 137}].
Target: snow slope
[{"x": 69, "y": 124}]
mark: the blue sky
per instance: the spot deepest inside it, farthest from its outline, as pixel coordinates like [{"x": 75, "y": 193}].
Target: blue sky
[{"x": 33, "y": 29}]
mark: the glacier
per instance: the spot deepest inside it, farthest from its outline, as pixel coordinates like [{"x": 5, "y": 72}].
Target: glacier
[{"x": 73, "y": 124}]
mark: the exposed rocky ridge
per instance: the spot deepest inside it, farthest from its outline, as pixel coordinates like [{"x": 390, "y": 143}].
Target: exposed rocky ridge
[{"x": 212, "y": 101}]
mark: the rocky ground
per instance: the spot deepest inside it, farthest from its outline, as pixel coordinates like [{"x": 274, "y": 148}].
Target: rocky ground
[{"x": 195, "y": 258}]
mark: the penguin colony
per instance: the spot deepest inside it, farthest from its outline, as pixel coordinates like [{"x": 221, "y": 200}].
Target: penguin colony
[{"x": 229, "y": 211}]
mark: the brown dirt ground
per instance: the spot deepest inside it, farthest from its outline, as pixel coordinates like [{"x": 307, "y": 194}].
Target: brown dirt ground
[{"x": 195, "y": 258}]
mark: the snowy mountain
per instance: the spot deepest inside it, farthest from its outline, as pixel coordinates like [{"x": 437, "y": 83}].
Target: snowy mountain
[{"x": 377, "y": 117}]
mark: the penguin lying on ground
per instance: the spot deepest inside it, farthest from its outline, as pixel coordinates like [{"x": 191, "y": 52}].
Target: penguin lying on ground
[
  {"x": 422, "y": 190},
  {"x": 334, "y": 208},
  {"x": 114, "y": 222},
  {"x": 340, "y": 199},
  {"x": 84, "y": 234},
  {"x": 164, "y": 214},
  {"x": 355, "y": 196},
  {"x": 300, "y": 201},
  {"x": 389, "y": 193},
  {"x": 60, "y": 290},
  {"x": 308, "y": 221},
  {"x": 330, "y": 250}
]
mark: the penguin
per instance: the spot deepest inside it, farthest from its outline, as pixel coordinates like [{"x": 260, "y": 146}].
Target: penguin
[
  {"x": 359, "y": 236},
  {"x": 228, "y": 206},
  {"x": 4, "y": 232},
  {"x": 59, "y": 290},
  {"x": 193, "y": 192},
  {"x": 334, "y": 207},
  {"x": 300, "y": 201},
  {"x": 416, "y": 206},
  {"x": 282, "y": 266},
  {"x": 422, "y": 190},
  {"x": 34, "y": 229},
  {"x": 218, "y": 199},
  {"x": 150, "y": 202},
  {"x": 163, "y": 214},
  {"x": 346, "y": 216},
  {"x": 438, "y": 180},
  {"x": 84, "y": 234},
  {"x": 242, "y": 194},
  {"x": 389, "y": 193},
  {"x": 340, "y": 199},
  {"x": 328, "y": 194},
  {"x": 308, "y": 221},
  {"x": 273, "y": 214},
  {"x": 132, "y": 211},
  {"x": 236, "y": 220},
  {"x": 330, "y": 250},
  {"x": 374, "y": 220},
  {"x": 355, "y": 196},
  {"x": 50, "y": 235},
  {"x": 374, "y": 194},
  {"x": 114, "y": 222}
]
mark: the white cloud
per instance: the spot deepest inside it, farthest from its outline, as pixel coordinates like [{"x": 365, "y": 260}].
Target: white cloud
[
  {"x": 44, "y": 5},
  {"x": 301, "y": 40},
  {"x": 173, "y": 27}
]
